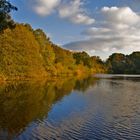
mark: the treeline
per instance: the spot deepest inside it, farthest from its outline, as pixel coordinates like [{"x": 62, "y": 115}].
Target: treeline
[
  {"x": 119, "y": 63},
  {"x": 27, "y": 53}
]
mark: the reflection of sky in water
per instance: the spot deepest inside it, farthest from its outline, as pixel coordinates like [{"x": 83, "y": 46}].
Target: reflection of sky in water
[
  {"x": 104, "y": 109},
  {"x": 69, "y": 104}
]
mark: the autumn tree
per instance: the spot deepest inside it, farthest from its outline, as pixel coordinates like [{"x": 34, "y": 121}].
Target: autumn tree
[{"x": 83, "y": 58}]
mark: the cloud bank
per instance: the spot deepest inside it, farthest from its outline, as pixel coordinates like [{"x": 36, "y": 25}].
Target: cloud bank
[
  {"x": 71, "y": 10},
  {"x": 119, "y": 30}
]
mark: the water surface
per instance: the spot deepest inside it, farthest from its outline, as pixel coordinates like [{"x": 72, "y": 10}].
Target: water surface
[{"x": 106, "y": 107}]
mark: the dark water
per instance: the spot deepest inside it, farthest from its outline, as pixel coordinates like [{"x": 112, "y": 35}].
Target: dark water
[{"x": 103, "y": 108}]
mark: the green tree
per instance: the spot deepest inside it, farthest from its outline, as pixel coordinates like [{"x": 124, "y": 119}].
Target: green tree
[
  {"x": 116, "y": 63},
  {"x": 83, "y": 58},
  {"x": 5, "y": 19},
  {"x": 133, "y": 63},
  {"x": 124, "y": 64}
]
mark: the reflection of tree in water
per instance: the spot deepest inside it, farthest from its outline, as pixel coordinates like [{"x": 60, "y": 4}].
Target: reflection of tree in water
[
  {"x": 24, "y": 102},
  {"x": 84, "y": 84}
]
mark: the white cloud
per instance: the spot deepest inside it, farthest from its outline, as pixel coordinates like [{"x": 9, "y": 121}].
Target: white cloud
[
  {"x": 119, "y": 31},
  {"x": 94, "y": 31},
  {"x": 120, "y": 18},
  {"x": 74, "y": 12},
  {"x": 45, "y": 7},
  {"x": 68, "y": 9}
]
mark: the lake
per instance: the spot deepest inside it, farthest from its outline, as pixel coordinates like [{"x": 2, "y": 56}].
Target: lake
[{"x": 104, "y": 107}]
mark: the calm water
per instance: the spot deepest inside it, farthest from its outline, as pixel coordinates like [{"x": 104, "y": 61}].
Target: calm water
[{"x": 103, "y": 108}]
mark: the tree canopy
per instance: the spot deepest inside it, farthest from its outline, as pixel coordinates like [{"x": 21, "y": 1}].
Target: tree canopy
[
  {"x": 5, "y": 19},
  {"x": 25, "y": 52},
  {"x": 119, "y": 63}
]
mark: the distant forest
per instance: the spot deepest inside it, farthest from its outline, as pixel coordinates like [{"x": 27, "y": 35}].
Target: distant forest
[
  {"x": 27, "y": 53},
  {"x": 119, "y": 63}
]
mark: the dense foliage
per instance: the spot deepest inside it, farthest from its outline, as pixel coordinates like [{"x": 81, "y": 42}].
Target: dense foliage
[
  {"x": 119, "y": 63},
  {"x": 20, "y": 54},
  {"x": 27, "y": 53},
  {"x": 5, "y": 18}
]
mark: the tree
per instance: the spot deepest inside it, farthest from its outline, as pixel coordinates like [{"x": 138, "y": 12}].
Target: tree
[
  {"x": 5, "y": 19},
  {"x": 124, "y": 64},
  {"x": 45, "y": 46},
  {"x": 133, "y": 61},
  {"x": 98, "y": 65},
  {"x": 83, "y": 58},
  {"x": 116, "y": 63}
]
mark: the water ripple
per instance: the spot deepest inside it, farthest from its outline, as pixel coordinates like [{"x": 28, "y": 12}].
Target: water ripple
[{"x": 107, "y": 110}]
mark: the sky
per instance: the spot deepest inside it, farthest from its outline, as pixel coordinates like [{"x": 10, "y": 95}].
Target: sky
[{"x": 99, "y": 27}]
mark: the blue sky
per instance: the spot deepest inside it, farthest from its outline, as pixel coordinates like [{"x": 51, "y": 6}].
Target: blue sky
[{"x": 99, "y": 27}]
